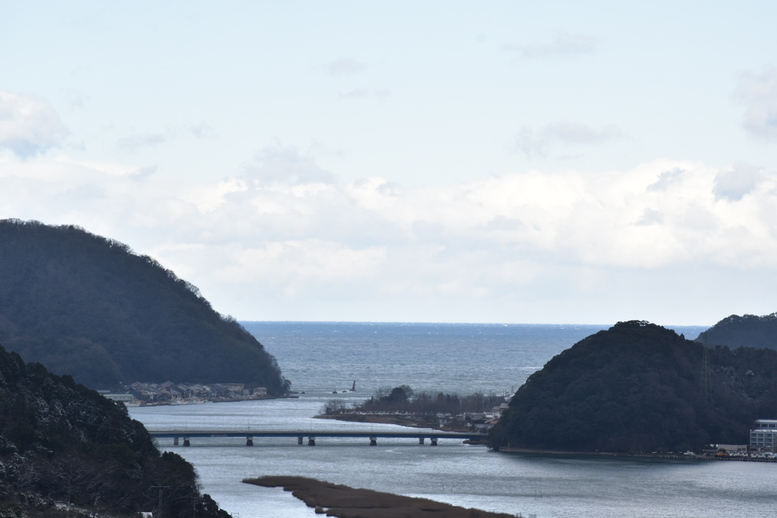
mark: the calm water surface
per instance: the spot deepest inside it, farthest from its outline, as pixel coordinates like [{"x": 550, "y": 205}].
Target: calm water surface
[{"x": 322, "y": 358}]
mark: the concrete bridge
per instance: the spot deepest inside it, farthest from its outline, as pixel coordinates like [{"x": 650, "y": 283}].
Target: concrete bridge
[{"x": 311, "y": 435}]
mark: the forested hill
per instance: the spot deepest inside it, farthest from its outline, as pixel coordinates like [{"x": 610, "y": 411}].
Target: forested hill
[
  {"x": 743, "y": 331},
  {"x": 638, "y": 387},
  {"x": 89, "y": 307},
  {"x": 65, "y": 450}
]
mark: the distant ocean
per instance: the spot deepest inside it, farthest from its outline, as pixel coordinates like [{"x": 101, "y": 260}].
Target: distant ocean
[
  {"x": 321, "y": 357},
  {"x": 324, "y": 359}
]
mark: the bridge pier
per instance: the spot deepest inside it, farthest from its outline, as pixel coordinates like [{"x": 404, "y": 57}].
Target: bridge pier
[{"x": 183, "y": 436}]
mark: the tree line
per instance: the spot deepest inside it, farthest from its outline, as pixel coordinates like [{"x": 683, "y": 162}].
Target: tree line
[{"x": 404, "y": 399}]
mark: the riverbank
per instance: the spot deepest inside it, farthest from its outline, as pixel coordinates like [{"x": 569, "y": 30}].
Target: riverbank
[
  {"x": 408, "y": 421},
  {"x": 348, "y": 502},
  {"x": 413, "y": 422},
  {"x": 665, "y": 456}
]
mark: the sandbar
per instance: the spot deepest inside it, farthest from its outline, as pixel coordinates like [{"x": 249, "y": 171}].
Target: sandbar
[{"x": 347, "y": 502}]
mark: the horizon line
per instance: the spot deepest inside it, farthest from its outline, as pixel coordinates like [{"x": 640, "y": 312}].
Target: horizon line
[{"x": 454, "y": 323}]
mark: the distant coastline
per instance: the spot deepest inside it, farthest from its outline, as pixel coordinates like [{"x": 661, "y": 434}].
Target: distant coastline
[
  {"x": 666, "y": 456},
  {"x": 408, "y": 421}
]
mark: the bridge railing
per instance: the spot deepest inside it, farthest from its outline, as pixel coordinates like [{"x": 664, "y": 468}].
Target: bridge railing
[{"x": 373, "y": 436}]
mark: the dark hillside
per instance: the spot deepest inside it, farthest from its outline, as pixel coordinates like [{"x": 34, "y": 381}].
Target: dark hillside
[
  {"x": 89, "y": 307},
  {"x": 638, "y": 387},
  {"x": 65, "y": 450},
  {"x": 744, "y": 331}
]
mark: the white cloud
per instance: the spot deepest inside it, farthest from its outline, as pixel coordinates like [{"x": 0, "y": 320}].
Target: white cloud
[
  {"x": 737, "y": 182},
  {"x": 299, "y": 266},
  {"x": 650, "y": 217},
  {"x": 564, "y": 44},
  {"x": 285, "y": 230},
  {"x": 758, "y": 92},
  {"x": 286, "y": 165},
  {"x": 539, "y": 143},
  {"x": 667, "y": 180},
  {"x": 136, "y": 142},
  {"x": 201, "y": 130},
  {"x": 28, "y": 126},
  {"x": 345, "y": 67},
  {"x": 149, "y": 140}
]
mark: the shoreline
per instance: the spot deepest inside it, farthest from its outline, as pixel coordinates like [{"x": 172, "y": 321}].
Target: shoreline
[
  {"x": 392, "y": 419},
  {"x": 181, "y": 402},
  {"x": 664, "y": 456},
  {"x": 409, "y": 423}
]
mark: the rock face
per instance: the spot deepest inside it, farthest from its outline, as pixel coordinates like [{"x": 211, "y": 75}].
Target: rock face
[
  {"x": 638, "y": 388},
  {"x": 89, "y": 307},
  {"x": 743, "y": 331},
  {"x": 66, "y": 450}
]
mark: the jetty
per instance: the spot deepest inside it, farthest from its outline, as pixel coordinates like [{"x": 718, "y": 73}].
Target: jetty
[{"x": 420, "y": 435}]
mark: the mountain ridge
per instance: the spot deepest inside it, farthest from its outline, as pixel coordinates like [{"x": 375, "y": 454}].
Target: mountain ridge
[
  {"x": 88, "y": 306},
  {"x": 743, "y": 331},
  {"x": 638, "y": 387}
]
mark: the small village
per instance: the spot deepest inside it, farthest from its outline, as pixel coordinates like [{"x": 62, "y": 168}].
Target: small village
[
  {"x": 475, "y": 421},
  {"x": 169, "y": 393}
]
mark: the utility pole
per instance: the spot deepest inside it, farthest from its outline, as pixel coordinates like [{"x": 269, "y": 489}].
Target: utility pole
[
  {"x": 159, "y": 505},
  {"x": 705, "y": 375}
]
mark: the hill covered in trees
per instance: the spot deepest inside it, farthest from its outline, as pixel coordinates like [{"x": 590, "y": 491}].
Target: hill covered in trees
[
  {"x": 743, "y": 331},
  {"x": 65, "y": 450},
  {"x": 89, "y": 307},
  {"x": 638, "y": 387}
]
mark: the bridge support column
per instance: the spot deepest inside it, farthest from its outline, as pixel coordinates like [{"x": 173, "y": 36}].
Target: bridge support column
[
  {"x": 420, "y": 440},
  {"x": 249, "y": 441},
  {"x": 299, "y": 440},
  {"x": 311, "y": 441},
  {"x": 373, "y": 441},
  {"x": 433, "y": 440},
  {"x": 175, "y": 441},
  {"x": 186, "y": 441}
]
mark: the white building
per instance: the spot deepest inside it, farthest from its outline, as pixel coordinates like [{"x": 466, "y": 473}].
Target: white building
[{"x": 763, "y": 436}]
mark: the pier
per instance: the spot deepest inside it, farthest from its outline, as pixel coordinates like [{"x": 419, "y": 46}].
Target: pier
[{"x": 420, "y": 435}]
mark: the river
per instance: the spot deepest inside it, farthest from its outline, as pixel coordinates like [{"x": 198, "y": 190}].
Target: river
[{"x": 321, "y": 358}]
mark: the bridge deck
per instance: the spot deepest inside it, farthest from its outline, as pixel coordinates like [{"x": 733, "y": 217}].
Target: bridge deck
[{"x": 409, "y": 434}]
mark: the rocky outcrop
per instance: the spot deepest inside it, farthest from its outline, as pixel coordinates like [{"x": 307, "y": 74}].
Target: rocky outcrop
[{"x": 65, "y": 450}]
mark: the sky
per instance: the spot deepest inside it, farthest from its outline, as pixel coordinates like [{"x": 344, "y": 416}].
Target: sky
[{"x": 438, "y": 161}]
